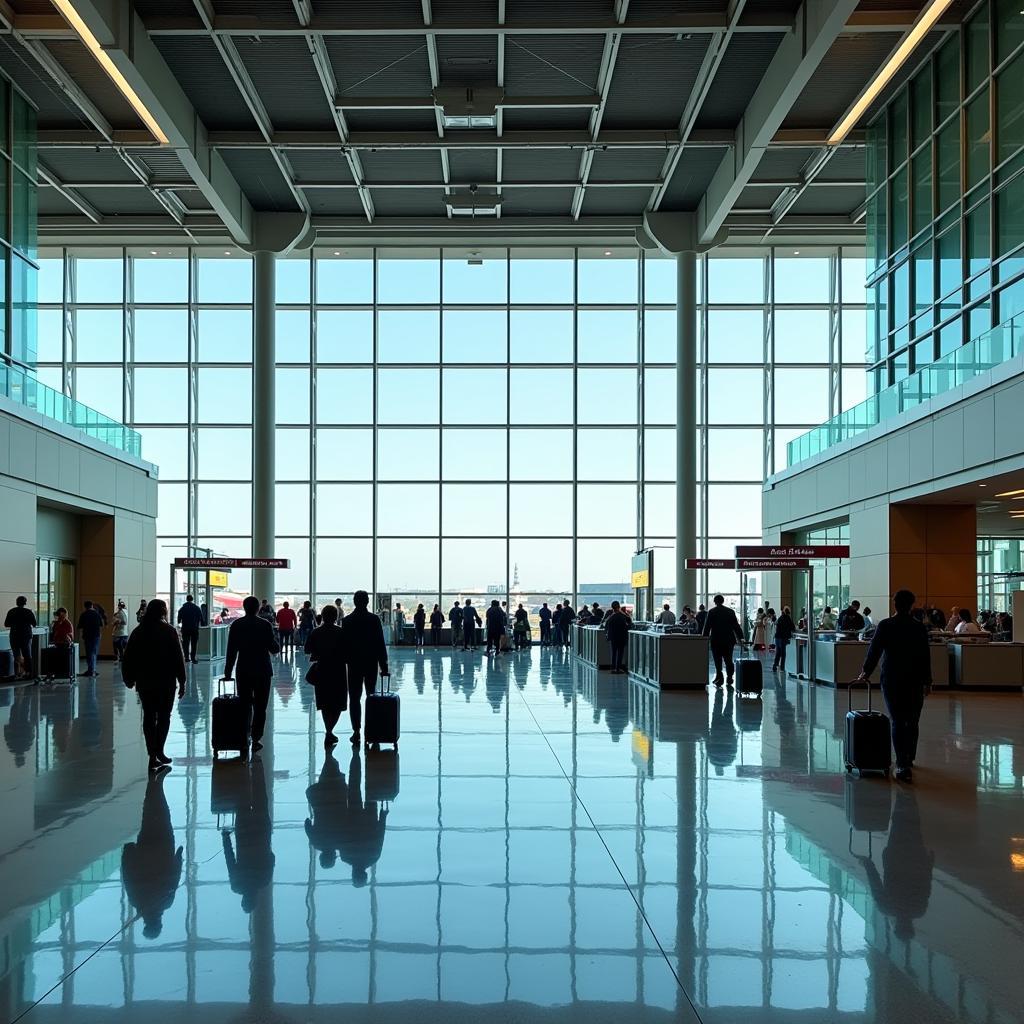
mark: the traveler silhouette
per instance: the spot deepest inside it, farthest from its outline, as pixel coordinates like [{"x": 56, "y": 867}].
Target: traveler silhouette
[
  {"x": 495, "y": 686},
  {"x": 151, "y": 866},
  {"x": 722, "y": 742},
  {"x": 251, "y": 861},
  {"x": 343, "y": 824},
  {"x": 903, "y": 889}
]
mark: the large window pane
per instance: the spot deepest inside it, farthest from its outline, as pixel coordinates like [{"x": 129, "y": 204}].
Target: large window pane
[
  {"x": 660, "y": 336},
  {"x": 541, "y": 454},
  {"x": 606, "y": 510},
  {"x": 475, "y": 396},
  {"x": 161, "y": 335},
  {"x": 979, "y": 139},
  {"x": 407, "y": 396},
  {"x": 344, "y": 396},
  {"x": 100, "y": 388},
  {"x": 160, "y": 279},
  {"x": 473, "y": 509},
  {"x": 225, "y": 336},
  {"x": 99, "y": 335},
  {"x": 659, "y": 519},
  {"x": 224, "y": 506},
  {"x": 226, "y": 280},
  {"x": 660, "y": 396},
  {"x": 343, "y": 279},
  {"x": 735, "y": 455},
  {"x": 474, "y": 565},
  {"x": 466, "y": 282},
  {"x": 540, "y": 510},
  {"x": 167, "y": 449},
  {"x": 291, "y": 282},
  {"x": 344, "y": 509},
  {"x": 606, "y": 396},
  {"x": 734, "y": 510},
  {"x": 541, "y": 396},
  {"x": 801, "y": 396},
  {"x": 1010, "y": 104},
  {"x": 161, "y": 395},
  {"x": 476, "y": 454},
  {"x": 292, "y": 335},
  {"x": 542, "y": 565},
  {"x": 541, "y": 336},
  {"x": 407, "y": 455},
  {"x": 225, "y": 395},
  {"x": 291, "y": 453},
  {"x": 224, "y": 454},
  {"x": 735, "y": 280},
  {"x": 407, "y": 566},
  {"x": 801, "y": 335},
  {"x": 611, "y": 279},
  {"x": 604, "y": 562},
  {"x": 344, "y": 566},
  {"x": 344, "y": 454},
  {"x": 408, "y": 336},
  {"x": 407, "y": 510},
  {"x": 735, "y": 336},
  {"x": 542, "y": 280},
  {"x": 344, "y": 336},
  {"x": 606, "y": 454},
  {"x": 660, "y": 454},
  {"x": 660, "y": 277},
  {"x": 409, "y": 281},
  {"x": 802, "y": 279},
  {"x": 735, "y": 396},
  {"x": 607, "y": 336},
  {"x": 292, "y": 395},
  {"x": 475, "y": 336},
  {"x": 293, "y": 503},
  {"x": 98, "y": 280}
]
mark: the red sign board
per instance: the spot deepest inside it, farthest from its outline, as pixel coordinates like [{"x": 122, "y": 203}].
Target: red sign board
[
  {"x": 792, "y": 551},
  {"x": 231, "y": 563},
  {"x": 711, "y": 563},
  {"x": 769, "y": 564}
]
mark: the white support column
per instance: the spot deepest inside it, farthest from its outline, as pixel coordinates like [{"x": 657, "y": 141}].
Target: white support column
[
  {"x": 686, "y": 427},
  {"x": 263, "y": 420}
]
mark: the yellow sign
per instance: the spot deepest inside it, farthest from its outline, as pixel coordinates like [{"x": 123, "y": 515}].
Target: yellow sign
[
  {"x": 641, "y": 578},
  {"x": 218, "y": 579}
]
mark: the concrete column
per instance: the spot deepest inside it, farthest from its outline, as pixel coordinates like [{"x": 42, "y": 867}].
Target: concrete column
[
  {"x": 263, "y": 420},
  {"x": 686, "y": 427}
]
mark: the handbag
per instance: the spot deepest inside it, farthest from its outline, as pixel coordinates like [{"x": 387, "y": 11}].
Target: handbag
[{"x": 313, "y": 674}]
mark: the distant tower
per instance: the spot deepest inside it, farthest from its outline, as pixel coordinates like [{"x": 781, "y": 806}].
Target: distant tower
[{"x": 515, "y": 578}]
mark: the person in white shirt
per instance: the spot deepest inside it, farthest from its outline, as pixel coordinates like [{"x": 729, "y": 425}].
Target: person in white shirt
[
  {"x": 954, "y": 619},
  {"x": 666, "y": 617},
  {"x": 828, "y": 619},
  {"x": 967, "y": 625},
  {"x": 868, "y": 621}
]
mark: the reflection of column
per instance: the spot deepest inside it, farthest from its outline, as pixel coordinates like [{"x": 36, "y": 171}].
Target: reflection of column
[
  {"x": 686, "y": 427},
  {"x": 263, "y": 420},
  {"x": 686, "y": 867}
]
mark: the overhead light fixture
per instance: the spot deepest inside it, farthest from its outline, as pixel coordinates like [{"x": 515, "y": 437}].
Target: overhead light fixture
[
  {"x": 922, "y": 26},
  {"x": 983, "y": 485},
  {"x": 476, "y": 204},
  {"x": 227, "y": 252},
  {"x": 74, "y": 19},
  {"x": 1010, "y": 494},
  {"x": 607, "y": 252},
  {"x": 468, "y": 107},
  {"x": 152, "y": 252}
]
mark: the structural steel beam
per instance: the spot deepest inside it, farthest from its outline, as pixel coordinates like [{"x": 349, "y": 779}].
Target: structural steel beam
[
  {"x": 818, "y": 24},
  {"x": 121, "y": 33}
]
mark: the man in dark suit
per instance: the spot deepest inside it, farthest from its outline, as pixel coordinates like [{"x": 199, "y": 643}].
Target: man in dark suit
[
  {"x": 251, "y": 643},
  {"x": 723, "y": 630},
  {"x": 565, "y": 621},
  {"x": 190, "y": 618},
  {"x": 901, "y": 644},
  {"x": 366, "y": 651}
]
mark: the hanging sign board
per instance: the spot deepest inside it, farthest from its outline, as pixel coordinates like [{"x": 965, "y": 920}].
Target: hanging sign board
[
  {"x": 770, "y": 564},
  {"x": 641, "y": 570},
  {"x": 217, "y": 579},
  {"x": 711, "y": 563},
  {"x": 793, "y": 551},
  {"x": 231, "y": 563}
]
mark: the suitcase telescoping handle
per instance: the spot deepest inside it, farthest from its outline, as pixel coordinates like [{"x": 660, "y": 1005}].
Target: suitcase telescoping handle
[
  {"x": 221, "y": 683},
  {"x": 387, "y": 676},
  {"x": 849, "y": 691}
]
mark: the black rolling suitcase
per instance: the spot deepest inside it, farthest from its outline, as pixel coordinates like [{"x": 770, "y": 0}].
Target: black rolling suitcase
[
  {"x": 231, "y": 722},
  {"x": 58, "y": 662},
  {"x": 382, "y": 775},
  {"x": 383, "y": 715},
  {"x": 868, "y": 738},
  {"x": 748, "y": 676}
]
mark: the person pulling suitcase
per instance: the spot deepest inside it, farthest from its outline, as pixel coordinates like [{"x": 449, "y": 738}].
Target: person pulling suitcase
[
  {"x": 900, "y": 644},
  {"x": 365, "y": 652},
  {"x": 251, "y": 642}
]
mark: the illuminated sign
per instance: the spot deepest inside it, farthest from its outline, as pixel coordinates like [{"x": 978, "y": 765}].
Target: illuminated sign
[
  {"x": 768, "y": 564},
  {"x": 217, "y": 579},
  {"x": 711, "y": 563},
  {"x": 793, "y": 551},
  {"x": 231, "y": 563}
]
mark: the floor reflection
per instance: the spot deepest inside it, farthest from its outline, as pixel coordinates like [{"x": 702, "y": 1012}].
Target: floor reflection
[{"x": 552, "y": 838}]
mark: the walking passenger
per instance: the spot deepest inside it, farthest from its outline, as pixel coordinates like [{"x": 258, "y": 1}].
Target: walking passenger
[
  {"x": 341, "y": 610},
  {"x": 325, "y": 646},
  {"x": 785, "y": 627},
  {"x": 119, "y": 632},
  {"x": 521, "y": 628},
  {"x": 190, "y": 618},
  {"x": 495, "y": 627},
  {"x": 567, "y": 618},
  {"x": 470, "y": 621},
  {"x": 287, "y": 620},
  {"x": 251, "y": 642},
  {"x": 666, "y": 617},
  {"x": 140, "y": 611},
  {"x": 556, "y": 625},
  {"x": 365, "y": 652},
  {"x": 21, "y": 621},
  {"x": 398, "y": 626},
  {"x": 419, "y": 624},
  {"x": 436, "y": 622},
  {"x": 153, "y": 663},
  {"x": 900, "y": 643},
  {"x": 617, "y": 630},
  {"x": 723, "y": 630},
  {"x": 90, "y": 625},
  {"x": 307, "y": 620},
  {"x": 455, "y": 618}
]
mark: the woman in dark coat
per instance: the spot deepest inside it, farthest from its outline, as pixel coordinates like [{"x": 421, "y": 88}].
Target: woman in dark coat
[
  {"x": 153, "y": 663},
  {"x": 784, "y": 630},
  {"x": 328, "y": 673}
]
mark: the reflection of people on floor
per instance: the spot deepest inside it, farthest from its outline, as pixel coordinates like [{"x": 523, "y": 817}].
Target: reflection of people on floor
[
  {"x": 904, "y": 887},
  {"x": 419, "y": 675},
  {"x": 251, "y": 861},
  {"x": 521, "y": 669},
  {"x": 343, "y": 824},
  {"x": 495, "y": 685},
  {"x": 57, "y": 705},
  {"x": 722, "y": 741},
  {"x": 87, "y": 727},
  {"x": 151, "y": 866},
  {"x": 20, "y": 730}
]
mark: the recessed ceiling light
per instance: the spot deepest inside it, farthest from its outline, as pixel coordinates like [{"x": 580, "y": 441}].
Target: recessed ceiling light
[
  {"x": 336, "y": 253},
  {"x": 796, "y": 252},
  {"x": 607, "y": 252},
  {"x": 983, "y": 485},
  {"x": 227, "y": 252},
  {"x": 152, "y": 252}
]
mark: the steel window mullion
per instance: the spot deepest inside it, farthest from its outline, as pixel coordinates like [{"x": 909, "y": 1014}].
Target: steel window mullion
[
  {"x": 374, "y": 508},
  {"x": 312, "y": 439},
  {"x": 575, "y": 420}
]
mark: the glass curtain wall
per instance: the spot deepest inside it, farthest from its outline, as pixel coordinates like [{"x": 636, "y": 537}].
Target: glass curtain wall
[
  {"x": 945, "y": 208},
  {"x": 451, "y": 423}
]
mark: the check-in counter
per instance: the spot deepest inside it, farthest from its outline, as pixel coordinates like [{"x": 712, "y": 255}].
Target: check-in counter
[
  {"x": 213, "y": 642},
  {"x": 590, "y": 644},
  {"x": 668, "y": 660},
  {"x": 40, "y": 638},
  {"x": 839, "y": 661},
  {"x": 409, "y": 635},
  {"x": 987, "y": 666}
]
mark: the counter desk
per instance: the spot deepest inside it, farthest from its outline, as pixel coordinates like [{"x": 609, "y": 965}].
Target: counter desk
[
  {"x": 838, "y": 662},
  {"x": 669, "y": 660},
  {"x": 987, "y": 666},
  {"x": 213, "y": 642}
]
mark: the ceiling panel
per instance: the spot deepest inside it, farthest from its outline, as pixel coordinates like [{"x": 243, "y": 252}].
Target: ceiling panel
[
  {"x": 93, "y": 80},
  {"x": 615, "y": 202},
  {"x": 82, "y": 164},
  {"x": 746, "y": 59},
  {"x": 122, "y": 201},
  {"x": 336, "y": 202},
  {"x": 839, "y": 200},
  {"x": 627, "y": 164},
  {"x": 552, "y": 65},
  {"x": 379, "y": 65},
  {"x": 538, "y": 202},
  {"x": 541, "y": 165},
  {"x": 286, "y": 82},
  {"x": 413, "y": 202},
  {"x": 314, "y": 165},
  {"x": 260, "y": 179},
  {"x": 472, "y": 165},
  {"x": 420, "y": 165},
  {"x": 692, "y": 176}
]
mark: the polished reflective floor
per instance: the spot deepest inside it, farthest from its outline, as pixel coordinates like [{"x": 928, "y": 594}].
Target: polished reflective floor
[{"x": 551, "y": 843}]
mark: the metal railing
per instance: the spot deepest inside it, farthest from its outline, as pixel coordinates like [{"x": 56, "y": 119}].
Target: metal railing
[
  {"x": 950, "y": 371},
  {"x": 25, "y": 389}
]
